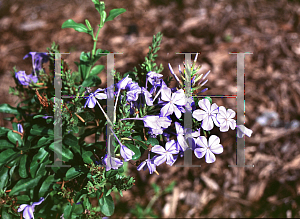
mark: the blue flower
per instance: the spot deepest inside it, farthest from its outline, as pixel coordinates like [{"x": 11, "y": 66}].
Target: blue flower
[
  {"x": 150, "y": 164},
  {"x": 175, "y": 99},
  {"x": 226, "y": 119},
  {"x": 29, "y": 209},
  {"x": 111, "y": 162},
  {"x": 126, "y": 153},
  {"x": 208, "y": 114},
  {"x": 91, "y": 101},
  {"x": 25, "y": 79},
  {"x": 165, "y": 155},
  {"x": 208, "y": 149},
  {"x": 140, "y": 92},
  {"x": 20, "y": 128},
  {"x": 242, "y": 130},
  {"x": 37, "y": 60}
]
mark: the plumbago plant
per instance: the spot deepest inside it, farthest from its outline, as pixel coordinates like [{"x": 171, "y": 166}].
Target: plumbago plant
[{"x": 147, "y": 127}]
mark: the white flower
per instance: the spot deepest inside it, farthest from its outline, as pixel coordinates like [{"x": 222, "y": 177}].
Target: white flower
[
  {"x": 208, "y": 114},
  {"x": 208, "y": 149},
  {"x": 242, "y": 130},
  {"x": 226, "y": 119}
]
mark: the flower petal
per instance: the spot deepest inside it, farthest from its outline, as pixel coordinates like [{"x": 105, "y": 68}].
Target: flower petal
[
  {"x": 207, "y": 123},
  {"x": 201, "y": 142},
  {"x": 22, "y": 207},
  {"x": 200, "y": 152},
  {"x": 158, "y": 160},
  {"x": 210, "y": 157},
  {"x": 166, "y": 94},
  {"x": 158, "y": 149},
  {"x": 167, "y": 110},
  {"x": 199, "y": 115}
]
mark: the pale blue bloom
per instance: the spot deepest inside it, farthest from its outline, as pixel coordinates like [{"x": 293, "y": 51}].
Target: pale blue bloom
[
  {"x": 150, "y": 164},
  {"x": 126, "y": 153},
  {"x": 242, "y": 130},
  {"x": 92, "y": 101},
  {"x": 111, "y": 162},
  {"x": 29, "y": 209},
  {"x": 174, "y": 100},
  {"x": 165, "y": 155},
  {"x": 207, "y": 115},
  {"x": 208, "y": 149},
  {"x": 226, "y": 119}
]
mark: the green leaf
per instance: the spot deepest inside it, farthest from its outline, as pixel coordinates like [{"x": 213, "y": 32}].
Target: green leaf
[
  {"x": 61, "y": 149},
  {"x": 100, "y": 6},
  {"x": 37, "y": 160},
  {"x": 76, "y": 26},
  {"x": 6, "y": 108},
  {"x": 3, "y": 131},
  {"x": 14, "y": 137},
  {"x": 41, "y": 131},
  {"x": 5, "y": 144},
  {"x": 87, "y": 157},
  {"x": 46, "y": 185},
  {"x": 140, "y": 142},
  {"x": 155, "y": 187},
  {"x": 43, "y": 141},
  {"x": 91, "y": 81},
  {"x": 7, "y": 155},
  {"x": 170, "y": 187},
  {"x": 67, "y": 211},
  {"x": 106, "y": 203},
  {"x": 3, "y": 177},
  {"x": 152, "y": 141},
  {"x": 21, "y": 199},
  {"x": 24, "y": 184},
  {"x": 96, "y": 70},
  {"x": 83, "y": 66},
  {"x": 137, "y": 152},
  {"x": 71, "y": 140},
  {"x": 114, "y": 13},
  {"x": 23, "y": 169},
  {"x": 74, "y": 172},
  {"x": 5, "y": 214}
]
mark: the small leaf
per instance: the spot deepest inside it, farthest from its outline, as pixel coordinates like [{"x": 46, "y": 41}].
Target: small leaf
[
  {"x": 74, "y": 172},
  {"x": 76, "y": 26},
  {"x": 7, "y": 155},
  {"x": 46, "y": 185},
  {"x": 61, "y": 149},
  {"x": 24, "y": 184},
  {"x": 114, "y": 13},
  {"x": 106, "y": 203},
  {"x": 14, "y": 137},
  {"x": 21, "y": 199},
  {"x": 37, "y": 160},
  {"x": 152, "y": 141},
  {"x": 41, "y": 131},
  {"x": 3, "y": 131},
  {"x": 6, "y": 108},
  {"x": 23, "y": 169},
  {"x": 87, "y": 157},
  {"x": 5, "y": 144},
  {"x": 91, "y": 81},
  {"x": 3, "y": 177},
  {"x": 96, "y": 69}
]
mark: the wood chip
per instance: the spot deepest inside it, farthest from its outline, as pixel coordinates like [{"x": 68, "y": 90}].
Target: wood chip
[{"x": 256, "y": 191}]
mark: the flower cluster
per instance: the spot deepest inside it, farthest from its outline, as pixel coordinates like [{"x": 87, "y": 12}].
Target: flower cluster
[
  {"x": 170, "y": 102},
  {"x": 37, "y": 63}
]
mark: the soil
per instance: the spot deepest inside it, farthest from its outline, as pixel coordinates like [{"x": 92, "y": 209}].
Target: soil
[{"x": 268, "y": 29}]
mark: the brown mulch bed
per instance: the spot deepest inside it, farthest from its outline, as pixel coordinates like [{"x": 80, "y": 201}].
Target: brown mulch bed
[{"x": 268, "y": 29}]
